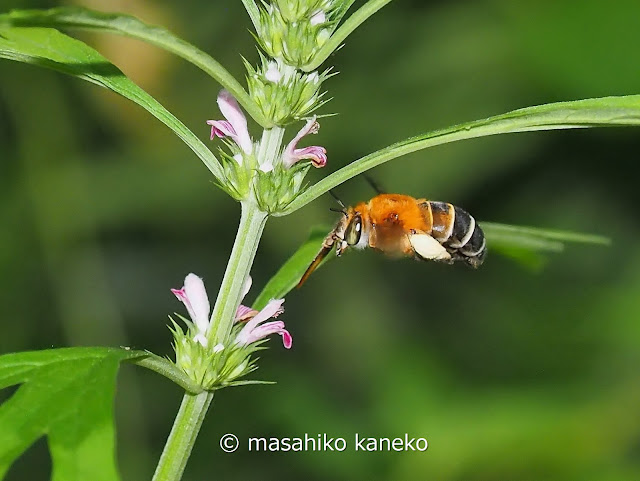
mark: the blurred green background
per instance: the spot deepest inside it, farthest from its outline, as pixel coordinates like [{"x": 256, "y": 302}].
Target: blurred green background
[{"x": 510, "y": 373}]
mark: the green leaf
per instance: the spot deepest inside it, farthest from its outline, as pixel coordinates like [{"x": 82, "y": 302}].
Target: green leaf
[
  {"x": 49, "y": 48},
  {"x": 534, "y": 238},
  {"x": 67, "y": 395},
  {"x": 127, "y": 25},
  {"x": 290, "y": 273},
  {"x": 598, "y": 112},
  {"x": 532, "y": 260},
  {"x": 527, "y": 245},
  {"x": 336, "y": 39}
]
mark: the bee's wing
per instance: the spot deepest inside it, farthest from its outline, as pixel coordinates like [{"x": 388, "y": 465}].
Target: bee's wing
[{"x": 426, "y": 247}]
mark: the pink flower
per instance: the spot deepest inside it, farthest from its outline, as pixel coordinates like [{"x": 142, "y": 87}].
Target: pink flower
[
  {"x": 254, "y": 329},
  {"x": 317, "y": 155},
  {"x": 194, "y": 296},
  {"x": 244, "y": 313},
  {"x": 236, "y": 124}
]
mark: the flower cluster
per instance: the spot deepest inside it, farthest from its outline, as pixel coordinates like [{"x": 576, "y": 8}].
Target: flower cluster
[
  {"x": 276, "y": 180},
  {"x": 220, "y": 365}
]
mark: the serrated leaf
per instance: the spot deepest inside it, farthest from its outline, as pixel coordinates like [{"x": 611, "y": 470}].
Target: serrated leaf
[
  {"x": 67, "y": 395},
  {"x": 291, "y": 271},
  {"x": 49, "y": 48},
  {"x": 598, "y": 112},
  {"x": 130, "y": 26}
]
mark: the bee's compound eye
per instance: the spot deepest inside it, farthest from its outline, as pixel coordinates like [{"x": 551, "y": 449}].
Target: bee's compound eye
[{"x": 354, "y": 230}]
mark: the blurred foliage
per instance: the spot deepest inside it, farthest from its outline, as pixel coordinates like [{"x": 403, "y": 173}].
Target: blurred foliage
[{"x": 509, "y": 374}]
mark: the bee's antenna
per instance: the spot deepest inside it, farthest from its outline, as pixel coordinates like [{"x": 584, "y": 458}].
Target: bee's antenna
[
  {"x": 374, "y": 185},
  {"x": 334, "y": 195},
  {"x": 342, "y": 211}
]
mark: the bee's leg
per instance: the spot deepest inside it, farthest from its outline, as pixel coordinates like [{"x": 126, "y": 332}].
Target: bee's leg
[
  {"x": 454, "y": 257},
  {"x": 327, "y": 245},
  {"x": 475, "y": 261},
  {"x": 443, "y": 260}
]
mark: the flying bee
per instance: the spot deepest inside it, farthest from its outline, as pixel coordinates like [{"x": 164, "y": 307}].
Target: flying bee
[{"x": 401, "y": 225}]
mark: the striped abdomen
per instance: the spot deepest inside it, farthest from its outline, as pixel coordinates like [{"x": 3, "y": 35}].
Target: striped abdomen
[{"x": 457, "y": 231}]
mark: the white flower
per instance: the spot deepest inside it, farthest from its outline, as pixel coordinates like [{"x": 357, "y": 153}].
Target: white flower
[
  {"x": 317, "y": 18},
  {"x": 194, "y": 296},
  {"x": 273, "y": 73}
]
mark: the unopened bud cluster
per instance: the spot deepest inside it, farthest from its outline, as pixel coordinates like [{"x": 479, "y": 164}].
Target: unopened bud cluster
[
  {"x": 296, "y": 33},
  {"x": 277, "y": 189},
  {"x": 294, "y": 10},
  {"x": 283, "y": 92},
  {"x": 291, "y": 32}
]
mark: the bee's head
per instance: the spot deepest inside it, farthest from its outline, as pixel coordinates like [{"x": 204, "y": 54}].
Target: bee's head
[{"x": 349, "y": 231}]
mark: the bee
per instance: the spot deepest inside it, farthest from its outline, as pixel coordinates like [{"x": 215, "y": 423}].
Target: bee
[{"x": 401, "y": 225}]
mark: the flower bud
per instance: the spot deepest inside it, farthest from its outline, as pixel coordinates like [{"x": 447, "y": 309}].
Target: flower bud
[
  {"x": 282, "y": 92},
  {"x": 289, "y": 30},
  {"x": 276, "y": 189},
  {"x": 294, "y": 10}
]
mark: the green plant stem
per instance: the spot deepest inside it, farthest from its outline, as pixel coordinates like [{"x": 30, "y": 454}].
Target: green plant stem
[
  {"x": 270, "y": 145},
  {"x": 168, "y": 369},
  {"x": 194, "y": 406},
  {"x": 183, "y": 436},
  {"x": 252, "y": 223}
]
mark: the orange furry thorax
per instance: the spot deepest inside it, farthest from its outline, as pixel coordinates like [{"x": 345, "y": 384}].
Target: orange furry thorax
[{"x": 389, "y": 217}]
